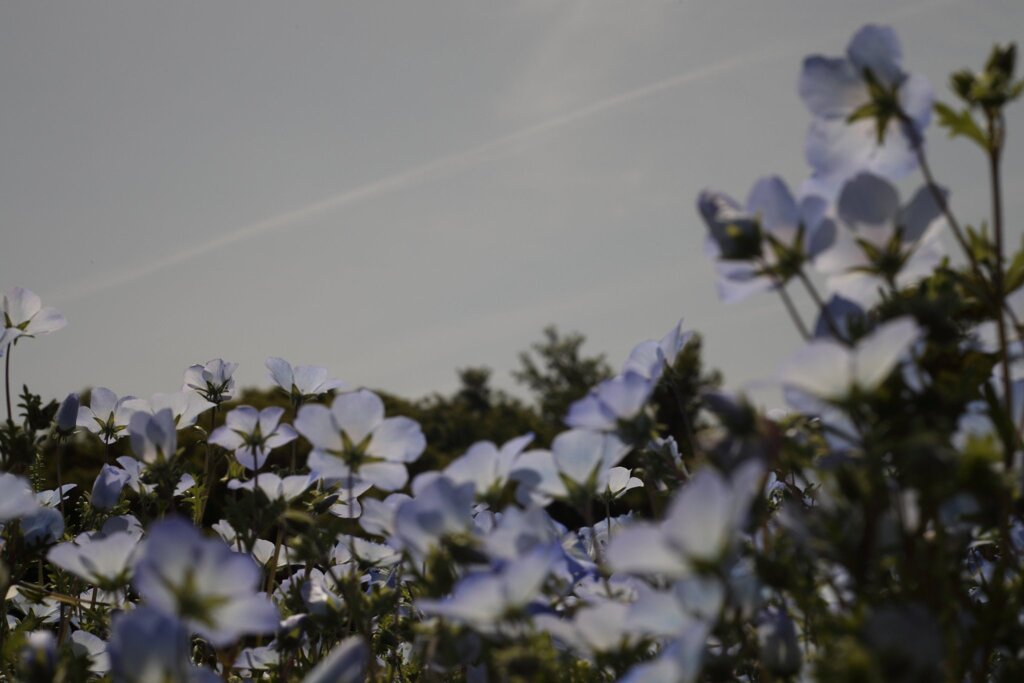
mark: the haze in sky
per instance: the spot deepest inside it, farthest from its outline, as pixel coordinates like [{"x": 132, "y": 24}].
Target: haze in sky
[{"x": 398, "y": 189}]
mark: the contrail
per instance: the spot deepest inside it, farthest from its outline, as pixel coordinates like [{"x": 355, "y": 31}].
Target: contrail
[
  {"x": 432, "y": 169},
  {"x": 404, "y": 179}
]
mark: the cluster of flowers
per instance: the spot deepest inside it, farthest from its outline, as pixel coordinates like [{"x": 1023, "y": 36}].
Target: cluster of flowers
[{"x": 872, "y": 532}]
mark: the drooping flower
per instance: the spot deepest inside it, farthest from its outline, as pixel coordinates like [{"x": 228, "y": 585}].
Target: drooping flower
[
  {"x": 154, "y": 438},
  {"x": 66, "y": 418},
  {"x": 213, "y": 380},
  {"x": 252, "y": 434},
  {"x": 353, "y": 439},
  {"x": 200, "y": 580},
  {"x": 889, "y": 107},
  {"x": 619, "y": 398}
]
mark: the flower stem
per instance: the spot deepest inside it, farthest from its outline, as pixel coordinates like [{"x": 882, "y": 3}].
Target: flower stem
[
  {"x": 7, "y": 381},
  {"x": 793, "y": 313}
]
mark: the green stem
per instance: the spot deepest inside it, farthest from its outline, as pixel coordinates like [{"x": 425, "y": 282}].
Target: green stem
[{"x": 7, "y": 381}]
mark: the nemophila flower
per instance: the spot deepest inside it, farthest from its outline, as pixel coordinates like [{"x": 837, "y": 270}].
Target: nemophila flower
[
  {"x": 106, "y": 416},
  {"x": 213, "y": 381},
  {"x": 274, "y": 487},
  {"x": 363, "y": 553},
  {"x": 185, "y": 406},
  {"x": 256, "y": 659},
  {"x": 699, "y": 528},
  {"x": 764, "y": 243},
  {"x": 52, "y": 497},
  {"x": 616, "y": 481},
  {"x": 38, "y": 656},
  {"x": 679, "y": 661},
  {"x": 488, "y": 601},
  {"x": 85, "y": 644},
  {"x": 302, "y": 382},
  {"x": 593, "y": 630},
  {"x": 868, "y": 113},
  {"x": 622, "y": 397},
  {"x": 353, "y": 439},
  {"x": 378, "y": 517},
  {"x": 517, "y": 531},
  {"x": 881, "y": 243},
  {"x": 154, "y": 438},
  {"x": 102, "y": 560},
  {"x": 572, "y": 468},
  {"x": 202, "y": 581},
  {"x": 829, "y": 370},
  {"x": 111, "y": 481},
  {"x": 650, "y": 358},
  {"x": 66, "y": 418},
  {"x": 42, "y": 527},
  {"x": 149, "y": 646},
  {"x": 252, "y": 434},
  {"x": 24, "y": 316},
  {"x": 664, "y": 613},
  {"x": 16, "y": 497},
  {"x": 486, "y": 466},
  {"x": 346, "y": 663},
  {"x": 441, "y": 511}
]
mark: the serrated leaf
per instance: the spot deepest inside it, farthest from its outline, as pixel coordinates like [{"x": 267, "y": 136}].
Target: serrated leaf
[{"x": 960, "y": 124}]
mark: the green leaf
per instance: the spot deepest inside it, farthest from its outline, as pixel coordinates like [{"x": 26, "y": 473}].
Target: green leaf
[
  {"x": 960, "y": 124},
  {"x": 1015, "y": 273}
]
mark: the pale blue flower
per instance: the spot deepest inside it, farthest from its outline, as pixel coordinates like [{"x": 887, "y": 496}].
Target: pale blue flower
[
  {"x": 353, "y": 439},
  {"x": 346, "y": 663},
  {"x": 202, "y": 581},
  {"x": 149, "y": 646},
  {"x": 85, "y": 644},
  {"x": 213, "y": 380},
  {"x": 907, "y": 239},
  {"x": 154, "y": 438},
  {"x": 700, "y": 526},
  {"x": 574, "y": 465},
  {"x": 620, "y": 398},
  {"x": 16, "y": 497},
  {"x": 67, "y": 415},
  {"x": 829, "y": 370},
  {"x": 833, "y": 88},
  {"x": 185, "y": 406},
  {"x": 302, "y": 382},
  {"x": 106, "y": 490},
  {"x": 24, "y": 315},
  {"x": 740, "y": 238},
  {"x": 650, "y": 358},
  {"x": 485, "y": 600},
  {"x": 102, "y": 560},
  {"x": 252, "y": 434},
  {"x": 106, "y": 416},
  {"x": 440, "y": 511},
  {"x": 42, "y": 527}
]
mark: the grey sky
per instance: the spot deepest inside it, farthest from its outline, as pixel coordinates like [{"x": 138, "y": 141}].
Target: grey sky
[{"x": 397, "y": 189}]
